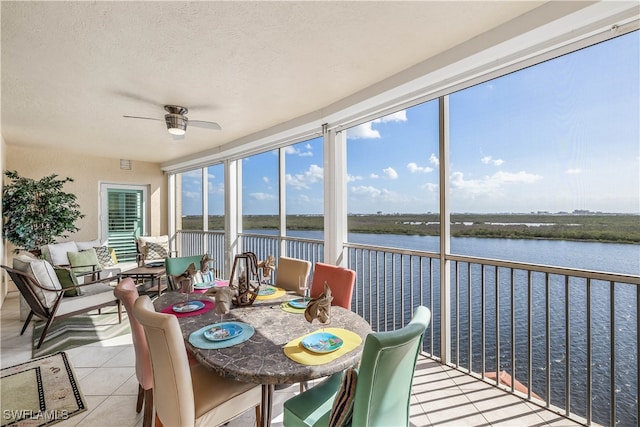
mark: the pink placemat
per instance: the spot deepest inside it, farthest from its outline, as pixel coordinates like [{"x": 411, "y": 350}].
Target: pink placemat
[
  {"x": 208, "y": 305},
  {"x": 219, "y": 284}
]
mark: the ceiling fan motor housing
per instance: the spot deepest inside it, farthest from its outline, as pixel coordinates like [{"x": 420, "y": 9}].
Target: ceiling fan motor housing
[{"x": 176, "y": 123}]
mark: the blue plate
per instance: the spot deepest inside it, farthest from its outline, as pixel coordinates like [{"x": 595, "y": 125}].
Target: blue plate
[
  {"x": 198, "y": 340},
  {"x": 299, "y": 303},
  {"x": 322, "y": 342},
  {"x": 223, "y": 331},
  {"x": 205, "y": 285},
  {"x": 188, "y": 307},
  {"x": 269, "y": 290}
]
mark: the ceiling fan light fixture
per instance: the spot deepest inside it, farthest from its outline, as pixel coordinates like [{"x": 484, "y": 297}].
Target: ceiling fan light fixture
[{"x": 176, "y": 124}]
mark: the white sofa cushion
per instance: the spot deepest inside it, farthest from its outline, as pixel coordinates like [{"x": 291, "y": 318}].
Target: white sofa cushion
[
  {"x": 56, "y": 253},
  {"x": 44, "y": 274},
  {"x": 83, "y": 246}
]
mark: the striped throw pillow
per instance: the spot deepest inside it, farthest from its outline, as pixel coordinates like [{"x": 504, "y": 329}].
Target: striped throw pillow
[{"x": 342, "y": 408}]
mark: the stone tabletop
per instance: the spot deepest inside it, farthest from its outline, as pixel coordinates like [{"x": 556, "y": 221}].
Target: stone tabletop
[{"x": 261, "y": 359}]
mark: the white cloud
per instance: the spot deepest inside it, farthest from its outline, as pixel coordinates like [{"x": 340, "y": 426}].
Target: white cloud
[
  {"x": 216, "y": 188},
  {"x": 430, "y": 187},
  {"x": 351, "y": 178},
  {"x": 366, "y": 131},
  {"x": 291, "y": 150},
  {"x": 522, "y": 176},
  {"x": 363, "y": 131},
  {"x": 413, "y": 168},
  {"x": 265, "y": 179},
  {"x": 490, "y": 160},
  {"x": 399, "y": 116},
  {"x": 434, "y": 160},
  {"x": 573, "y": 171},
  {"x": 373, "y": 197},
  {"x": 490, "y": 185},
  {"x": 304, "y": 180},
  {"x": 390, "y": 172},
  {"x": 191, "y": 195},
  {"x": 367, "y": 190},
  {"x": 374, "y": 176},
  {"x": 262, "y": 196}
]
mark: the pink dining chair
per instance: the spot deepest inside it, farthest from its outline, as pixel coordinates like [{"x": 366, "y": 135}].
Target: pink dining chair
[
  {"x": 127, "y": 293},
  {"x": 341, "y": 281}
]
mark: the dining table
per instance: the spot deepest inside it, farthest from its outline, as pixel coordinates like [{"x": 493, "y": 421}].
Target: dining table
[{"x": 273, "y": 354}]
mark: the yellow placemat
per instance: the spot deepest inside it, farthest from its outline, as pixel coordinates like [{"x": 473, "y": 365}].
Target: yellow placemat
[
  {"x": 286, "y": 307},
  {"x": 279, "y": 293},
  {"x": 294, "y": 351}
]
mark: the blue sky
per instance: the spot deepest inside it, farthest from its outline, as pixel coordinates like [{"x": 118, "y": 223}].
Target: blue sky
[{"x": 559, "y": 136}]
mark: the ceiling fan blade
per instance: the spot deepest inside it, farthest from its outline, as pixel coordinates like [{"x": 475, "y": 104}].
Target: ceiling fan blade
[
  {"x": 144, "y": 118},
  {"x": 204, "y": 124}
]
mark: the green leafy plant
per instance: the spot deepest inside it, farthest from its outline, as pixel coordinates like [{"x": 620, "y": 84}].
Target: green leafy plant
[{"x": 37, "y": 212}]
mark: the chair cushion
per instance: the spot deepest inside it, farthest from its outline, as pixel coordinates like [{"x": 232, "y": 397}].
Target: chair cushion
[
  {"x": 95, "y": 295},
  {"x": 342, "y": 409},
  {"x": 58, "y": 252},
  {"x": 68, "y": 280},
  {"x": 44, "y": 274},
  {"x": 83, "y": 261},
  {"x": 104, "y": 256}
]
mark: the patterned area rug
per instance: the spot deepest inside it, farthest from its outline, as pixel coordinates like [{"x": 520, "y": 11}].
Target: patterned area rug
[
  {"x": 79, "y": 330},
  {"x": 40, "y": 392}
]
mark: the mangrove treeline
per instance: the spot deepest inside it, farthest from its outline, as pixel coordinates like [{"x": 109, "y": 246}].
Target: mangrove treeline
[{"x": 619, "y": 228}]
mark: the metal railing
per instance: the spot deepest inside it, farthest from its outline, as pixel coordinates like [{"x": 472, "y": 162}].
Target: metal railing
[{"x": 565, "y": 339}]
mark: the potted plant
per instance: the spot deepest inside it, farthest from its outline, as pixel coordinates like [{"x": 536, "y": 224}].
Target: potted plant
[{"x": 37, "y": 212}]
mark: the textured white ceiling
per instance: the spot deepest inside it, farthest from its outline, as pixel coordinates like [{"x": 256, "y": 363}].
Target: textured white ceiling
[{"x": 71, "y": 70}]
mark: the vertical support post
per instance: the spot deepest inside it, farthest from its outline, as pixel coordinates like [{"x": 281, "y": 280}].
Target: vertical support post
[
  {"x": 205, "y": 208},
  {"x": 171, "y": 199},
  {"x": 335, "y": 195},
  {"x": 282, "y": 198},
  {"x": 232, "y": 210},
  {"x": 445, "y": 232}
]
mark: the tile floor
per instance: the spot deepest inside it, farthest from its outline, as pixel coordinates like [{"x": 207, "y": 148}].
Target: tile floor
[{"x": 105, "y": 371}]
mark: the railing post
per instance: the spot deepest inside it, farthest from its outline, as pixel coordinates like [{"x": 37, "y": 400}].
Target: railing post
[{"x": 445, "y": 233}]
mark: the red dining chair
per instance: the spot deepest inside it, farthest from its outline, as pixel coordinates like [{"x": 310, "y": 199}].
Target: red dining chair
[
  {"x": 341, "y": 281},
  {"x": 127, "y": 293}
]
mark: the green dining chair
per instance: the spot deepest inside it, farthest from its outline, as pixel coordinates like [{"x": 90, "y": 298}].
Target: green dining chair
[{"x": 382, "y": 388}]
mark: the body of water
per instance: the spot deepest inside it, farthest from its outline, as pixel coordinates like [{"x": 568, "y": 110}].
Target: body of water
[{"x": 604, "y": 257}]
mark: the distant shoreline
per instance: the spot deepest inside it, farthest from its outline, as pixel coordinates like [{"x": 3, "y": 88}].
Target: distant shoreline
[{"x": 594, "y": 227}]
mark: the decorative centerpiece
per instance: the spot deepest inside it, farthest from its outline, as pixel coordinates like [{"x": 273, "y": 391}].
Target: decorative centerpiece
[{"x": 244, "y": 279}]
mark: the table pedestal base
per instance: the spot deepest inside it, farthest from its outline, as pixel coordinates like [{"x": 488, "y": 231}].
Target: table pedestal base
[{"x": 267, "y": 402}]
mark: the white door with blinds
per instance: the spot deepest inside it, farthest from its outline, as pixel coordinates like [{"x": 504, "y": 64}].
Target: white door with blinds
[{"x": 123, "y": 217}]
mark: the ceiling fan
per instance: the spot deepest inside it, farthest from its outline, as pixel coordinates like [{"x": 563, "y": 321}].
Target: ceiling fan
[{"x": 176, "y": 120}]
